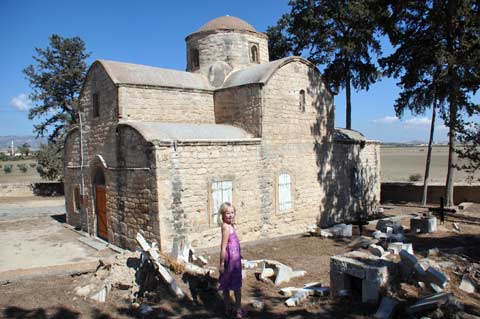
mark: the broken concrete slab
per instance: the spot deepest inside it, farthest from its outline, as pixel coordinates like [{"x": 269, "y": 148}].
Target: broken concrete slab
[
  {"x": 362, "y": 242},
  {"x": 424, "y": 224},
  {"x": 429, "y": 303},
  {"x": 340, "y": 230},
  {"x": 394, "y": 225},
  {"x": 386, "y": 308},
  {"x": 300, "y": 296},
  {"x": 407, "y": 259},
  {"x": 436, "y": 277},
  {"x": 396, "y": 247},
  {"x": 378, "y": 234},
  {"x": 376, "y": 250},
  {"x": 101, "y": 295},
  {"x": 371, "y": 273},
  {"x": 467, "y": 285},
  {"x": 464, "y": 205}
]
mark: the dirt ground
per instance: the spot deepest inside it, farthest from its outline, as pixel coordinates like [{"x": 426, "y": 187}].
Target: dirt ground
[{"x": 53, "y": 296}]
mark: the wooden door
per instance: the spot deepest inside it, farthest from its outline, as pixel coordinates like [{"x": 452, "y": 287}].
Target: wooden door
[{"x": 101, "y": 205}]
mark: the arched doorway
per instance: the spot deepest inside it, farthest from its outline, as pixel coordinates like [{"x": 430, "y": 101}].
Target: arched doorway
[{"x": 101, "y": 204}]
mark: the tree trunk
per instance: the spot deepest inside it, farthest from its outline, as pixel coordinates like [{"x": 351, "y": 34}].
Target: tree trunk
[
  {"x": 348, "y": 98},
  {"x": 451, "y": 155},
  {"x": 429, "y": 154}
]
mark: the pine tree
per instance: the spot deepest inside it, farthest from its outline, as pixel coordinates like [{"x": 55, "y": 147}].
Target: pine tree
[
  {"x": 338, "y": 36},
  {"x": 56, "y": 80},
  {"x": 436, "y": 56}
]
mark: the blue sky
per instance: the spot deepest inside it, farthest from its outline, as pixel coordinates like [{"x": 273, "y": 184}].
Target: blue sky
[{"x": 153, "y": 33}]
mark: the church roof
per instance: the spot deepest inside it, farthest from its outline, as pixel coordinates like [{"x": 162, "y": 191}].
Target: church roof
[
  {"x": 348, "y": 136},
  {"x": 226, "y": 23},
  {"x": 260, "y": 73},
  {"x": 161, "y": 131},
  {"x": 137, "y": 74}
]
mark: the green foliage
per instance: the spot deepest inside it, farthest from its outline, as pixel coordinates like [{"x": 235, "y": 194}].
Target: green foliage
[
  {"x": 469, "y": 136},
  {"x": 3, "y": 157},
  {"x": 22, "y": 168},
  {"x": 24, "y": 149},
  {"x": 8, "y": 168},
  {"x": 415, "y": 177},
  {"x": 56, "y": 80},
  {"x": 50, "y": 161},
  {"x": 436, "y": 59},
  {"x": 340, "y": 36}
]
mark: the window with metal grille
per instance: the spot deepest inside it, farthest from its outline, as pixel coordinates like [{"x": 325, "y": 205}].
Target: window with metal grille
[
  {"x": 96, "y": 105},
  {"x": 221, "y": 192},
  {"x": 284, "y": 192}
]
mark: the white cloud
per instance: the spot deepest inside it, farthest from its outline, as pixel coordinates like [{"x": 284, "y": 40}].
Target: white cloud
[
  {"x": 417, "y": 122},
  {"x": 386, "y": 119},
  {"x": 21, "y": 102}
]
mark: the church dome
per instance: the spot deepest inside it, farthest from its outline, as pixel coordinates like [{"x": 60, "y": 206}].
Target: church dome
[{"x": 226, "y": 23}]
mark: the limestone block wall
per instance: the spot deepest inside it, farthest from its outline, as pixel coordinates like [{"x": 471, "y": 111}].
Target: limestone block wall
[
  {"x": 295, "y": 140},
  {"x": 232, "y": 47},
  {"x": 131, "y": 200},
  {"x": 353, "y": 187},
  {"x": 241, "y": 107},
  {"x": 185, "y": 176},
  {"x": 166, "y": 105}
]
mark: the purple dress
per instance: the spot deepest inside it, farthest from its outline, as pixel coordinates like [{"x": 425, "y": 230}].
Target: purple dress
[{"x": 231, "y": 279}]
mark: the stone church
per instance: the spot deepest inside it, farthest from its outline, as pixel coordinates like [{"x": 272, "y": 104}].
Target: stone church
[{"x": 158, "y": 150}]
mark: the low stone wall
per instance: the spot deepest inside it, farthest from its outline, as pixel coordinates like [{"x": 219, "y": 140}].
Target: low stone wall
[
  {"x": 412, "y": 192},
  {"x": 15, "y": 189},
  {"x": 29, "y": 189}
]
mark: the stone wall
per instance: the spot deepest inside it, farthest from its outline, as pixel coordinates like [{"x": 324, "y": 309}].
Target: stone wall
[
  {"x": 295, "y": 140},
  {"x": 240, "y": 106},
  {"x": 166, "y": 105},
  {"x": 413, "y": 192},
  {"x": 232, "y": 47},
  {"x": 353, "y": 187},
  {"x": 185, "y": 175}
]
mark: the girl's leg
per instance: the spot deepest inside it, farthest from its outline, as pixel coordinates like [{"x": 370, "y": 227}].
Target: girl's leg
[
  {"x": 238, "y": 302},
  {"x": 226, "y": 301}
]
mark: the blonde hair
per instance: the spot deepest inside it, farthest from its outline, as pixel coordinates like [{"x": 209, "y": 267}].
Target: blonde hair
[{"x": 223, "y": 210}]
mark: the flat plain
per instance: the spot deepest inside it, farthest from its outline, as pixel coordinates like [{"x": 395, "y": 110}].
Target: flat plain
[{"x": 399, "y": 163}]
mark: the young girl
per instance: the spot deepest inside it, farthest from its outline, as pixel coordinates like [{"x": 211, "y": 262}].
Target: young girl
[{"x": 230, "y": 261}]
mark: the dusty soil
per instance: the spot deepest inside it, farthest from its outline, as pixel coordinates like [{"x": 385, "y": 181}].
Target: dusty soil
[
  {"x": 399, "y": 163},
  {"x": 54, "y": 296}
]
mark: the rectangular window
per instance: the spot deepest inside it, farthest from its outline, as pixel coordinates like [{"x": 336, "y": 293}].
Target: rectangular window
[
  {"x": 96, "y": 105},
  {"x": 221, "y": 192},
  {"x": 284, "y": 192},
  {"x": 76, "y": 199}
]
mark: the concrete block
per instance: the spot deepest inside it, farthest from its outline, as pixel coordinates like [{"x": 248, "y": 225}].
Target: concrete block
[
  {"x": 396, "y": 247},
  {"x": 378, "y": 234},
  {"x": 436, "y": 277},
  {"x": 283, "y": 274},
  {"x": 340, "y": 230},
  {"x": 466, "y": 285},
  {"x": 423, "y": 224},
  {"x": 429, "y": 303},
  {"x": 386, "y": 308},
  {"x": 376, "y": 250},
  {"x": 408, "y": 259}
]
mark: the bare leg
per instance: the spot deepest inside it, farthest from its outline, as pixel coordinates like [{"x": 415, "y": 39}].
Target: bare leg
[
  {"x": 238, "y": 299},
  {"x": 226, "y": 300}
]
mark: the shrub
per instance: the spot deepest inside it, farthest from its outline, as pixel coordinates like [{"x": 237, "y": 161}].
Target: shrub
[
  {"x": 22, "y": 168},
  {"x": 415, "y": 177},
  {"x": 8, "y": 168},
  {"x": 32, "y": 165}
]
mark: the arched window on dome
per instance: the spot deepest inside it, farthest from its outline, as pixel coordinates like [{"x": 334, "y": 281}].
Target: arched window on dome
[
  {"x": 254, "y": 58},
  {"x": 194, "y": 58}
]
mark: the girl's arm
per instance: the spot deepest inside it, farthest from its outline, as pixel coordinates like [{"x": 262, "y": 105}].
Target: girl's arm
[{"x": 223, "y": 246}]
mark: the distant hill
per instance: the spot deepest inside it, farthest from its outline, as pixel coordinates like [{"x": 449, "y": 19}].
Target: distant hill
[{"x": 19, "y": 140}]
